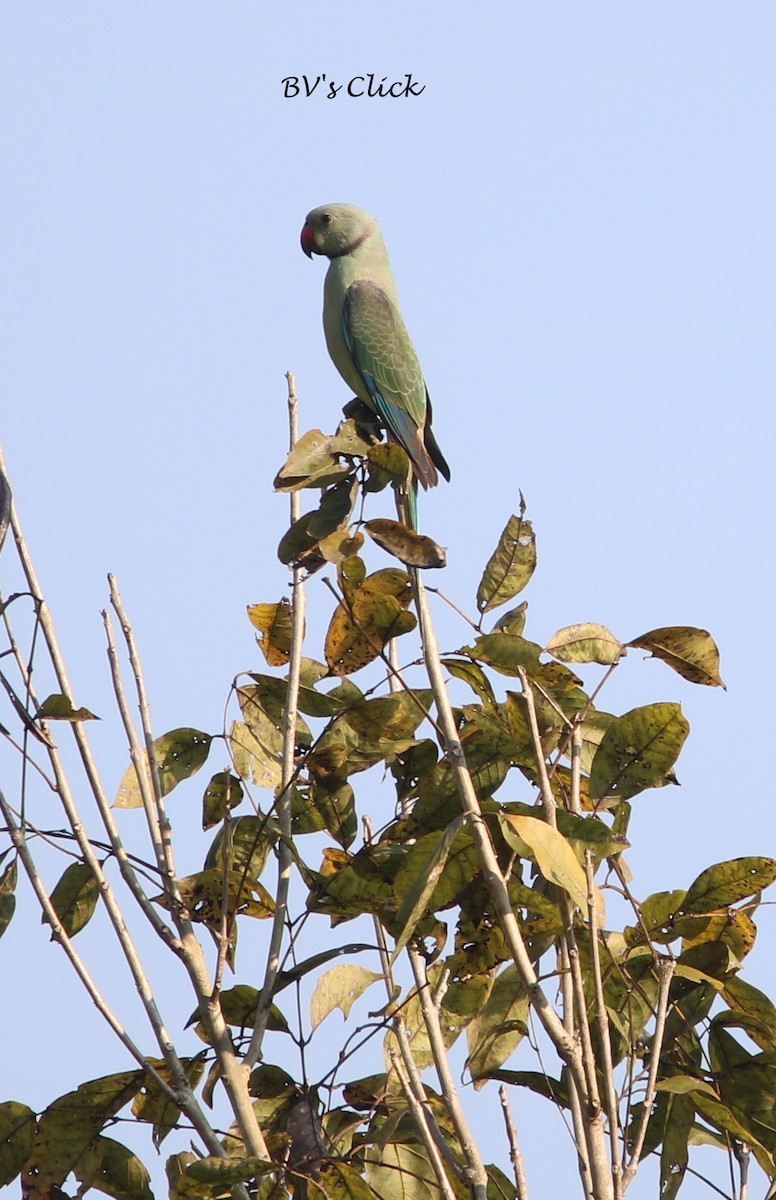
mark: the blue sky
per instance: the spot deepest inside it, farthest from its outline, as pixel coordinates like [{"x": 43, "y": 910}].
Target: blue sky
[{"x": 579, "y": 210}]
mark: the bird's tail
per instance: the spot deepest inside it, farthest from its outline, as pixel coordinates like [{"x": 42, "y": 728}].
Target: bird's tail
[
  {"x": 407, "y": 504},
  {"x": 412, "y": 505}
]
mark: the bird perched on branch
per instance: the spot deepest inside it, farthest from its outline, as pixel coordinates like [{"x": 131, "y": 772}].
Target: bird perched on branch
[{"x": 367, "y": 338}]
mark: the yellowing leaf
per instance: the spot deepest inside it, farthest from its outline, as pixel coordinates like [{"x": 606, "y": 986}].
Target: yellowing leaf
[
  {"x": 554, "y": 857},
  {"x": 388, "y": 463},
  {"x": 413, "y": 549},
  {"x": 252, "y": 759},
  {"x": 339, "y": 988},
  {"x": 374, "y": 613},
  {"x": 691, "y": 652},
  {"x": 315, "y": 461},
  {"x": 340, "y": 545},
  {"x": 510, "y": 566},
  {"x": 584, "y": 643},
  {"x": 273, "y": 622}
]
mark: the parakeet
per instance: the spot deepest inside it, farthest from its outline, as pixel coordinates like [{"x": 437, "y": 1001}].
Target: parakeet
[{"x": 367, "y": 338}]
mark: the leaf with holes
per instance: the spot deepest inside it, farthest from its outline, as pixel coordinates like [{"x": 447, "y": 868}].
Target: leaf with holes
[
  {"x": 511, "y": 565},
  {"x": 638, "y": 751},
  {"x": 727, "y": 883}
]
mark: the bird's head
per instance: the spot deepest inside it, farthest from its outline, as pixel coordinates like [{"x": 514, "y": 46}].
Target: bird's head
[{"x": 336, "y": 229}]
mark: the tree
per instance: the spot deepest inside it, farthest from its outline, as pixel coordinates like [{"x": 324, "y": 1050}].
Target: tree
[{"x": 483, "y": 896}]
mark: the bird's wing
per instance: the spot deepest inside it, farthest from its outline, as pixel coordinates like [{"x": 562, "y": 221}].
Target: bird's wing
[{"x": 386, "y": 360}]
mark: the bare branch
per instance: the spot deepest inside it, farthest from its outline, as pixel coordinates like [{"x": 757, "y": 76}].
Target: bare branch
[
  {"x": 476, "y": 1173},
  {"x": 284, "y": 857},
  {"x": 516, "y": 1158},
  {"x": 602, "y": 1021},
  {"x": 665, "y": 969}
]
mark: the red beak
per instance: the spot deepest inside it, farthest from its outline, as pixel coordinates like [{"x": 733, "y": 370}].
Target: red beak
[{"x": 308, "y": 240}]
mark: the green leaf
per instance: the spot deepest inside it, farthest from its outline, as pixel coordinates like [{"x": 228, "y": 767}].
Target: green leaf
[
  {"x": 510, "y": 566},
  {"x": 222, "y": 794},
  {"x": 203, "y": 896},
  {"x": 513, "y": 620},
  {"x": 473, "y": 674},
  {"x": 755, "y": 1006},
  {"x": 413, "y": 549},
  {"x": 586, "y": 643},
  {"x": 500, "y": 1186},
  {"x": 680, "y": 1085},
  {"x": 239, "y": 1005},
  {"x": 400, "y": 1171},
  {"x": 70, "y": 1125},
  {"x": 499, "y": 1027},
  {"x": 300, "y": 969},
  {"x": 340, "y": 987},
  {"x": 315, "y": 460},
  {"x": 8, "y": 881},
  {"x": 249, "y": 841},
  {"x": 17, "y": 1137},
  {"x": 728, "y": 882},
  {"x": 179, "y": 754},
  {"x": 691, "y": 652},
  {"x": 638, "y": 751},
  {"x": 675, "y": 1154},
  {"x": 155, "y": 1106},
  {"x": 389, "y": 718},
  {"x": 60, "y": 708},
  {"x": 542, "y": 1084},
  {"x": 213, "y": 1177},
  {"x": 335, "y": 509},
  {"x": 339, "y": 1181},
  {"x": 296, "y": 547},
  {"x": 421, "y": 872},
  {"x": 505, "y": 652},
  {"x": 75, "y": 897},
  {"x": 114, "y": 1170}
]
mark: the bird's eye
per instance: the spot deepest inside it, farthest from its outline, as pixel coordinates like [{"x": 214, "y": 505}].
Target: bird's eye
[{"x": 326, "y": 219}]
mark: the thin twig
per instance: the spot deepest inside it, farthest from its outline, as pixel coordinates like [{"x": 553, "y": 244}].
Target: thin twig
[
  {"x": 138, "y": 755},
  {"x": 602, "y": 1020},
  {"x": 575, "y": 1099},
  {"x": 425, "y": 1119},
  {"x": 284, "y": 856},
  {"x": 564, "y": 1042},
  {"x": 743, "y": 1156},
  {"x": 575, "y": 803},
  {"x": 233, "y": 1073},
  {"x": 446, "y": 599},
  {"x": 548, "y": 796},
  {"x": 162, "y": 831},
  {"x": 179, "y": 1091},
  {"x": 476, "y": 1172},
  {"x": 420, "y": 1114},
  {"x": 515, "y": 1157},
  {"x": 665, "y": 968}
]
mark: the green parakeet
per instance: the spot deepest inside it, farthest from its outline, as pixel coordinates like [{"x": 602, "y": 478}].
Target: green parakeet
[{"x": 367, "y": 338}]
